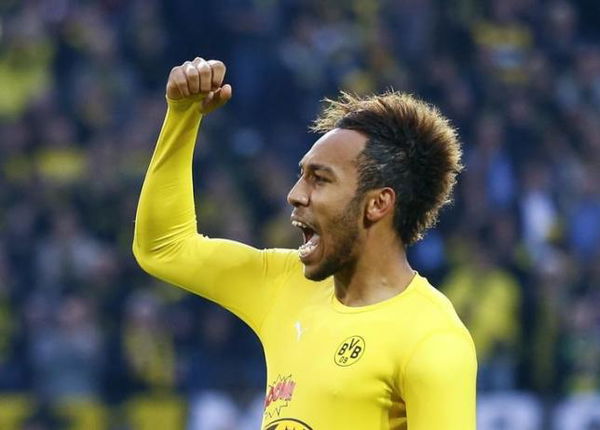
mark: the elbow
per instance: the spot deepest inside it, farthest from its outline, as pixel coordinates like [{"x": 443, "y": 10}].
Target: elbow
[
  {"x": 142, "y": 249},
  {"x": 154, "y": 260},
  {"x": 144, "y": 258}
]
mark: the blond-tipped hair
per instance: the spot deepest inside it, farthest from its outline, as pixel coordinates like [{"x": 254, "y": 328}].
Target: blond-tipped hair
[{"x": 411, "y": 148}]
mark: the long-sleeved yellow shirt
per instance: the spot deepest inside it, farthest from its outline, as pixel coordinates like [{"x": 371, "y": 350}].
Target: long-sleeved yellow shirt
[{"x": 406, "y": 362}]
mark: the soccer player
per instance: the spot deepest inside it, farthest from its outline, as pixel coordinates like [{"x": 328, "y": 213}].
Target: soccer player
[{"x": 354, "y": 338}]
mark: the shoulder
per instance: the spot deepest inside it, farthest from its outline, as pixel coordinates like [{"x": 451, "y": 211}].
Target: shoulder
[
  {"x": 436, "y": 331},
  {"x": 434, "y": 311}
]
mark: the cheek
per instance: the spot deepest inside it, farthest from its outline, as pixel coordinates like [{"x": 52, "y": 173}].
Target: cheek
[
  {"x": 341, "y": 226},
  {"x": 331, "y": 202}
]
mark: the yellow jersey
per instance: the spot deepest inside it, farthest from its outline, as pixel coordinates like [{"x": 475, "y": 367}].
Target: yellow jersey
[{"x": 404, "y": 363}]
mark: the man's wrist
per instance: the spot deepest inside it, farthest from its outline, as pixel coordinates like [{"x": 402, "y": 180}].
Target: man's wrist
[{"x": 185, "y": 103}]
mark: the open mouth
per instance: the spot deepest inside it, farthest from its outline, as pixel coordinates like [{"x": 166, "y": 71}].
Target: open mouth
[{"x": 311, "y": 239}]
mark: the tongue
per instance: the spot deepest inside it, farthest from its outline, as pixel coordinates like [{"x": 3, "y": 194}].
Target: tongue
[{"x": 307, "y": 248}]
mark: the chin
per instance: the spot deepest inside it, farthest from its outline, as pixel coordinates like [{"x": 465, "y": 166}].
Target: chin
[
  {"x": 320, "y": 272},
  {"x": 316, "y": 277}
]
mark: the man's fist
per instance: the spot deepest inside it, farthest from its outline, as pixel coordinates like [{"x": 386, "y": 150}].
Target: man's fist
[{"x": 199, "y": 77}]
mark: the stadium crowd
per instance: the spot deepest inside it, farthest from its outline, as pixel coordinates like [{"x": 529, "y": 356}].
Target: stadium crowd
[{"x": 89, "y": 341}]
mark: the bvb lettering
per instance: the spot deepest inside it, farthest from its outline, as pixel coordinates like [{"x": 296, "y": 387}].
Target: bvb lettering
[{"x": 350, "y": 351}]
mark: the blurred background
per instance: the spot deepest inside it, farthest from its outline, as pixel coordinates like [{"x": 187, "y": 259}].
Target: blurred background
[{"x": 88, "y": 341}]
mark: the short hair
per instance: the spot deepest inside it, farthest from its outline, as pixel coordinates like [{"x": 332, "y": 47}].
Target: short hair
[{"x": 411, "y": 148}]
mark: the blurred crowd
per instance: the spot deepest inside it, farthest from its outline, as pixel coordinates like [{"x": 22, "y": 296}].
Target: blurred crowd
[{"x": 88, "y": 341}]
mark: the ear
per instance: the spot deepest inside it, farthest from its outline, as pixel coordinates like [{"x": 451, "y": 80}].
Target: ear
[{"x": 380, "y": 202}]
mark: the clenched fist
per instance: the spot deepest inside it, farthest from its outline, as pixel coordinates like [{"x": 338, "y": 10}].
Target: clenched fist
[{"x": 200, "y": 77}]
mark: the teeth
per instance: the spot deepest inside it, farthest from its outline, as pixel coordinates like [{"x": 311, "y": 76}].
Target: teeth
[
  {"x": 299, "y": 224},
  {"x": 306, "y": 249}
]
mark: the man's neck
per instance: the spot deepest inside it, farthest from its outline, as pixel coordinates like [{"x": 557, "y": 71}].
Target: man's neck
[{"x": 379, "y": 274}]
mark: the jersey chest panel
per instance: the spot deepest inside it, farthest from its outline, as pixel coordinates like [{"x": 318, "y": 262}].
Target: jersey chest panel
[{"x": 330, "y": 369}]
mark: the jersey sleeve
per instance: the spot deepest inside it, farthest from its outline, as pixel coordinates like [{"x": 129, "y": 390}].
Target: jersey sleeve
[
  {"x": 166, "y": 242},
  {"x": 439, "y": 383}
]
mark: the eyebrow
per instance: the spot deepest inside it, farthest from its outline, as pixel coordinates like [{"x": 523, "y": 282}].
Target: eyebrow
[{"x": 317, "y": 166}]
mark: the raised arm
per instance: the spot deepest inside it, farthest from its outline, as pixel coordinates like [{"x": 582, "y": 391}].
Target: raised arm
[{"x": 166, "y": 243}]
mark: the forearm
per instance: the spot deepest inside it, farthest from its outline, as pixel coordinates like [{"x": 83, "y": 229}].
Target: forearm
[{"x": 166, "y": 213}]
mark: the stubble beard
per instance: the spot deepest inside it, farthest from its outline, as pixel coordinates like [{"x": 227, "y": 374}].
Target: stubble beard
[{"x": 343, "y": 234}]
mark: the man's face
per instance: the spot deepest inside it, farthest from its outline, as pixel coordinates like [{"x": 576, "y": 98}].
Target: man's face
[{"x": 326, "y": 207}]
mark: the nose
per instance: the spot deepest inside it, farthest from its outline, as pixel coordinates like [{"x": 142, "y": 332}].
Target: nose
[{"x": 298, "y": 195}]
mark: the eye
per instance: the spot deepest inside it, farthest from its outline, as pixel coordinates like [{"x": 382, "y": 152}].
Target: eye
[{"x": 320, "y": 179}]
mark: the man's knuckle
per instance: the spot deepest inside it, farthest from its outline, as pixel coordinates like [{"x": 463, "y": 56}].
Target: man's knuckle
[
  {"x": 217, "y": 65},
  {"x": 191, "y": 73}
]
